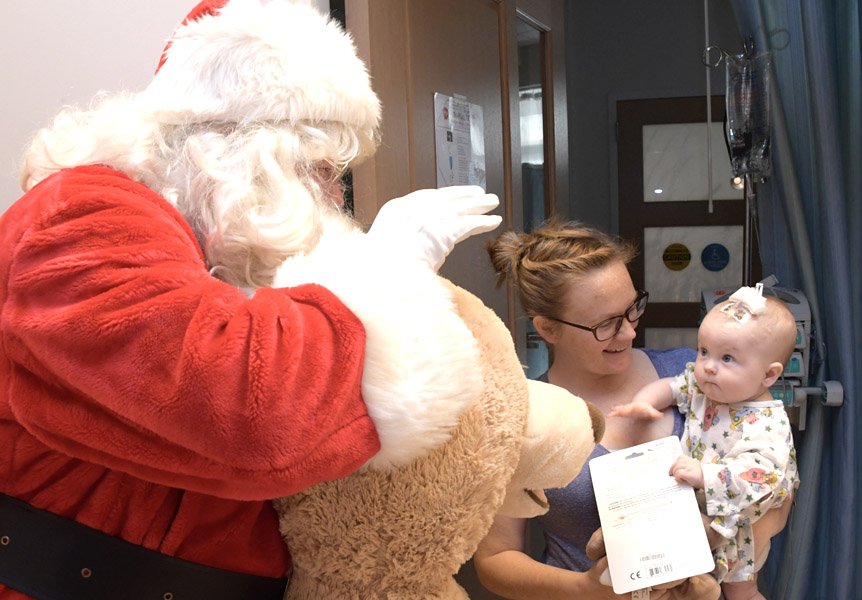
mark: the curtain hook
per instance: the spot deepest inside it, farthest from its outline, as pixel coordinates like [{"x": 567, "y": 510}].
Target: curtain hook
[{"x": 707, "y": 53}]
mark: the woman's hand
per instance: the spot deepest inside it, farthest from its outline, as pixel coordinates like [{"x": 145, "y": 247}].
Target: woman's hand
[
  {"x": 599, "y": 575},
  {"x": 505, "y": 569},
  {"x": 598, "y": 586}
]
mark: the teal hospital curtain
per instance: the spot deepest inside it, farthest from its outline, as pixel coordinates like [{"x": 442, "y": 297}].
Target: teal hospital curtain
[{"x": 809, "y": 214}]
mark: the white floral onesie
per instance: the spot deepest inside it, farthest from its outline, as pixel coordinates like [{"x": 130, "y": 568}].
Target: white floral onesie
[{"x": 749, "y": 466}]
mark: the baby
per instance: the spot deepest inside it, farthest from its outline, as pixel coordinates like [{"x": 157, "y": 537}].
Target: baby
[{"x": 738, "y": 447}]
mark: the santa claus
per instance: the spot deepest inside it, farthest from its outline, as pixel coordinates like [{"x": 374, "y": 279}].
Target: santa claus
[{"x": 157, "y": 391}]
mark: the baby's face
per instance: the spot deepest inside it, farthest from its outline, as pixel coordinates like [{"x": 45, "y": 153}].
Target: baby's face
[{"x": 731, "y": 365}]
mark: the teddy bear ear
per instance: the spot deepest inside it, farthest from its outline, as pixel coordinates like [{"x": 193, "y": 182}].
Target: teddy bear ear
[{"x": 560, "y": 435}]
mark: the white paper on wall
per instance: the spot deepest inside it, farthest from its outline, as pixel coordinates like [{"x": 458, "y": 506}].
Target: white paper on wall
[{"x": 459, "y": 137}]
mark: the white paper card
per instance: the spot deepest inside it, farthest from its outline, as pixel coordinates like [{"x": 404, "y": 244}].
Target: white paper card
[
  {"x": 459, "y": 138},
  {"x": 651, "y": 524}
]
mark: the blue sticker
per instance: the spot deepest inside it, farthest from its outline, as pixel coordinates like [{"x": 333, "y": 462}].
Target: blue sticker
[{"x": 715, "y": 257}]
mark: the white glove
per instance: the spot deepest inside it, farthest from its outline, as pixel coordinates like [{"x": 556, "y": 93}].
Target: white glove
[{"x": 428, "y": 223}]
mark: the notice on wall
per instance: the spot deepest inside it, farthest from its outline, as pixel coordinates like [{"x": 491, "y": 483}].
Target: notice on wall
[
  {"x": 681, "y": 262},
  {"x": 652, "y": 526},
  {"x": 459, "y": 136}
]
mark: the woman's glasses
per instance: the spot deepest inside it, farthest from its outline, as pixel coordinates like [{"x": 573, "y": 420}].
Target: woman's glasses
[{"x": 610, "y": 327}]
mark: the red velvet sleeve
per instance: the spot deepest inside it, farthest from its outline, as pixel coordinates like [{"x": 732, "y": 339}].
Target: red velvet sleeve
[{"x": 123, "y": 350}]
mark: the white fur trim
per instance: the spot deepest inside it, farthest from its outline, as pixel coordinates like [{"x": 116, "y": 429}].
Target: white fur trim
[
  {"x": 422, "y": 365},
  {"x": 258, "y": 61}
]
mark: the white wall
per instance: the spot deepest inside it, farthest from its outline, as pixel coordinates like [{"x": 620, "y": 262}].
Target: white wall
[{"x": 57, "y": 52}]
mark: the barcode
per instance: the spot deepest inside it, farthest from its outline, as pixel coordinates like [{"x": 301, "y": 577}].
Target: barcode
[{"x": 660, "y": 570}]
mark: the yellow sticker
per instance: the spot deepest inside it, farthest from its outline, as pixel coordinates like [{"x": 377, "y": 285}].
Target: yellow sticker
[{"x": 676, "y": 257}]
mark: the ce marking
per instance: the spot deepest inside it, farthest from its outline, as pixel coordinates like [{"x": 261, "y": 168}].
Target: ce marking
[{"x": 635, "y": 575}]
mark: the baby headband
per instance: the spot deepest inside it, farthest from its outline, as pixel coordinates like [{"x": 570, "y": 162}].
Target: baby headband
[{"x": 746, "y": 302}]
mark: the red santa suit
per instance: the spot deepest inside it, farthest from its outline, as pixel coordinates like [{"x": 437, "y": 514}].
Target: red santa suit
[{"x": 147, "y": 399}]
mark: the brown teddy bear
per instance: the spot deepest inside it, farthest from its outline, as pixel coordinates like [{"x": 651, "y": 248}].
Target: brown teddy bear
[{"x": 404, "y": 531}]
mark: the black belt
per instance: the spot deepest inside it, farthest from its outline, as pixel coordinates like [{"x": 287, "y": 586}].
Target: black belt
[{"x": 51, "y": 558}]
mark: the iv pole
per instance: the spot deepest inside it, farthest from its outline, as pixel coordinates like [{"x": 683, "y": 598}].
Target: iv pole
[
  {"x": 747, "y": 180},
  {"x": 708, "y": 107}
]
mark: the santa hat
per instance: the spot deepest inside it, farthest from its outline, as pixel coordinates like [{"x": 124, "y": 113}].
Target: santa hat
[
  {"x": 206, "y": 7},
  {"x": 240, "y": 61}
]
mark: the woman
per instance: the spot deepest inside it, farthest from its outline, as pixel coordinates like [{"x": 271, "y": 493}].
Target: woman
[{"x": 574, "y": 284}]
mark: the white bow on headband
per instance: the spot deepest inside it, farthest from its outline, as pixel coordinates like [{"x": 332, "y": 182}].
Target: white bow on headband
[{"x": 746, "y": 302}]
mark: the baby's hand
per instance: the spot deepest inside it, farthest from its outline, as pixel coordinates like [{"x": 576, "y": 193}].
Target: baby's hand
[
  {"x": 638, "y": 410},
  {"x": 687, "y": 470}
]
